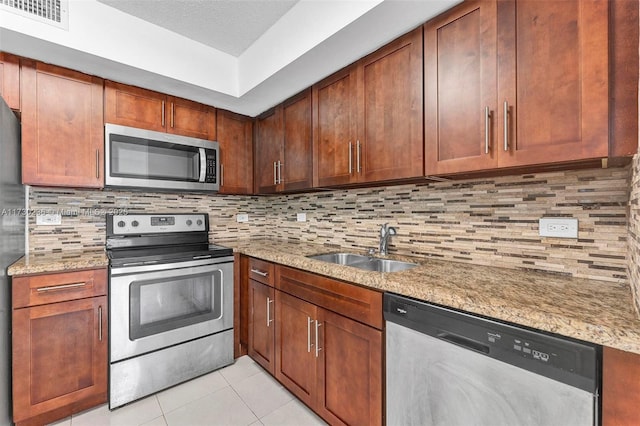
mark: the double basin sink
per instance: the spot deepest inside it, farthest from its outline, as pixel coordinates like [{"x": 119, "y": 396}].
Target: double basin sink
[{"x": 365, "y": 263}]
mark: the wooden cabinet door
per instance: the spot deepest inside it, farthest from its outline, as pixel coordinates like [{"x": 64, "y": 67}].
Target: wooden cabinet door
[
  {"x": 62, "y": 127},
  {"x": 59, "y": 358},
  {"x": 295, "y": 346},
  {"x": 460, "y": 89},
  {"x": 235, "y": 136},
  {"x": 334, "y": 129},
  {"x": 268, "y": 151},
  {"x": 262, "y": 325},
  {"x": 349, "y": 363},
  {"x": 10, "y": 80},
  {"x": 190, "y": 118},
  {"x": 620, "y": 387},
  {"x": 134, "y": 107},
  {"x": 297, "y": 172},
  {"x": 552, "y": 81},
  {"x": 390, "y": 141}
]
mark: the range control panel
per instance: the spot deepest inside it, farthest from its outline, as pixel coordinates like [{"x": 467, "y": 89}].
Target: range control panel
[{"x": 157, "y": 223}]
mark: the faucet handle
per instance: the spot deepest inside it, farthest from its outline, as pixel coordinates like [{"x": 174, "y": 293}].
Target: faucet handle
[{"x": 371, "y": 251}]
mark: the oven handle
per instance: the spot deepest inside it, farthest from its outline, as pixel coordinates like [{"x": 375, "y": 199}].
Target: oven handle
[
  {"x": 128, "y": 270},
  {"x": 203, "y": 165}
]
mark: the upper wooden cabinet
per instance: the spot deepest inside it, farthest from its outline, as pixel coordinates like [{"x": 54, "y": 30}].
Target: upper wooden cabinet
[
  {"x": 10, "y": 80},
  {"x": 146, "y": 109},
  {"x": 283, "y": 147},
  {"x": 368, "y": 118},
  {"x": 544, "y": 101},
  {"x": 62, "y": 127},
  {"x": 235, "y": 136}
]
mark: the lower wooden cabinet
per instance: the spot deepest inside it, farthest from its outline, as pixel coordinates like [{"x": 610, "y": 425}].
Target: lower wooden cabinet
[
  {"x": 59, "y": 348},
  {"x": 261, "y": 325},
  {"x": 620, "y": 387}
]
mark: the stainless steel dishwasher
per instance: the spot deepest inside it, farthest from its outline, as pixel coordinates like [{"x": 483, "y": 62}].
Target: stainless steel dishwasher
[{"x": 446, "y": 367}]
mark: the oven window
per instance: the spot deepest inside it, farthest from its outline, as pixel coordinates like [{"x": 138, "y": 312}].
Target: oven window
[
  {"x": 144, "y": 159},
  {"x": 165, "y": 304}
]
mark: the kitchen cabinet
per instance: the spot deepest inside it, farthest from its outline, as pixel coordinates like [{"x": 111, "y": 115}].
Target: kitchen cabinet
[
  {"x": 146, "y": 109},
  {"x": 368, "y": 118},
  {"x": 283, "y": 146},
  {"x": 545, "y": 102},
  {"x": 59, "y": 344},
  {"x": 235, "y": 136},
  {"x": 62, "y": 127},
  {"x": 261, "y": 324},
  {"x": 10, "y": 79},
  {"x": 620, "y": 387}
]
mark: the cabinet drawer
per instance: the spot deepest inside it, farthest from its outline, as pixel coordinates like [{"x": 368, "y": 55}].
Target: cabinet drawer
[
  {"x": 51, "y": 288},
  {"x": 350, "y": 300},
  {"x": 261, "y": 271}
]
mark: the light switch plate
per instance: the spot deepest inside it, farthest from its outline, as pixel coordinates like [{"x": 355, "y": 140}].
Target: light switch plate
[
  {"x": 559, "y": 227},
  {"x": 49, "y": 219},
  {"x": 301, "y": 217},
  {"x": 242, "y": 217}
]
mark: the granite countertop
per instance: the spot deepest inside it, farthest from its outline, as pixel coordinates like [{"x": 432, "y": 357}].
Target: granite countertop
[
  {"x": 590, "y": 310},
  {"x": 44, "y": 262}
]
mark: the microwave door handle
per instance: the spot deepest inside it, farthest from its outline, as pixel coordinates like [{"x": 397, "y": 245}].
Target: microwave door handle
[{"x": 203, "y": 165}]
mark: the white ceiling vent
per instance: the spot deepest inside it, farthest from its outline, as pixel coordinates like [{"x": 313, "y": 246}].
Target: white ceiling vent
[{"x": 54, "y": 12}]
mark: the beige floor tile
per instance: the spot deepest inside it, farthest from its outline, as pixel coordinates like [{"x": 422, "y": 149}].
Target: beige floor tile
[
  {"x": 294, "y": 413},
  {"x": 63, "y": 422},
  {"x": 134, "y": 414},
  {"x": 158, "y": 421},
  {"x": 223, "y": 407},
  {"x": 262, "y": 394},
  {"x": 243, "y": 367},
  {"x": 184, "y": 393}
]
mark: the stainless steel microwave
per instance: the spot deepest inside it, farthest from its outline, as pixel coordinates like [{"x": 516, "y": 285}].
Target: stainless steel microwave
[{"x": 138, "y": 158}]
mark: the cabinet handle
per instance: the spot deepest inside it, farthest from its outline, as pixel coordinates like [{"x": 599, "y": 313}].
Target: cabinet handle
[
  {"x": 487, "y": 119},
  {"x": 97, "y": 164},
  {"x": 60, "y": 287},
  {"x": 280, "y": 172},
  {"x": 506, "y": 126},
  {"x": 100, "y": 323},
  {"x": 269, "y": 302},
  {"x": 172, "y": 114},
  {"x": 221, "y": 174},
  {"x": 318, "y": 348},
  {"x": 256, "y": 271},
  {"x": 358, "y": 156},
  {"x": 350, "y": 157},
  {"x": 162, "y": 114},
  {"x": 275, "y": 173},
  {"x": 309, "y": 344}
]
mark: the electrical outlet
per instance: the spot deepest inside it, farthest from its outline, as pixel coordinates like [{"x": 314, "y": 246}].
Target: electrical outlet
[
  {"x": 49, "y": 219},
  {"x": 301, "y": 217},
  {"x": 559, "y": 227},
  {"x": 242, "y": 217}
]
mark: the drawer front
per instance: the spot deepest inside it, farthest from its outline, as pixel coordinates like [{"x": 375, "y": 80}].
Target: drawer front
[
  {"x": 261, "y": 271},
  {"x": 346, "y": 299},
  {"x": 52, "y": 288}
]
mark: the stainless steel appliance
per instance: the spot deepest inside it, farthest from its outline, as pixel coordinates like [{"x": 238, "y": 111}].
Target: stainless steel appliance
[
  {"x": 170, "y": 303},
  {"x": 12, "y": 228},
  {"x": 450, "y": 368},
  {"x": 137, "y": 158}
]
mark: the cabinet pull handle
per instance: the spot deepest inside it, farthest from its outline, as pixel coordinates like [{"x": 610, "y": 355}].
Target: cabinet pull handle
[
  {"x": 358, "y": 155},
  {"x": 100, "y": 323},
  {"x": 309, "y": 344},
  {"x": 279, "y": 171},
  {"x": 173, "y": 113},
  {"x": 162, "y": 114},
  {"x": 350, "y": 157},
  {"x": 221, "y": 174},
  {"x": 256, "y": 271},
  {"x": 275, "y": 173},
  {"x": 487, "y": 120},
  {"x": 269, "y": 302},
  {"x": 318, "y": 348},
  {"x": 60, "y": 287},
  {"x": 97, "y": 164},
  {"x": 506, "y": 126}
]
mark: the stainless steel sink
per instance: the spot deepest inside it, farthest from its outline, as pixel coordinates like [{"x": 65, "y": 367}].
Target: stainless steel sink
[{"x": 364, "y": 262}]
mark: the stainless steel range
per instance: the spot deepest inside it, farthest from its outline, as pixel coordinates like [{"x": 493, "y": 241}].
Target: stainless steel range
[{"x": 171, "y": 303}]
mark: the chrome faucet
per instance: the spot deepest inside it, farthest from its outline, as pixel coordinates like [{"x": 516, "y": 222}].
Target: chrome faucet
[{"x": 385, "y": 232}]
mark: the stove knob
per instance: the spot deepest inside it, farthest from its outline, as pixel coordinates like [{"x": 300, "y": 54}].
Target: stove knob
[
  {"x": 135, "y": 223},
  {"x": 121, "y": 224},
  {"x": 199, "y": 222},
  {"x": 189, "y": 222}
]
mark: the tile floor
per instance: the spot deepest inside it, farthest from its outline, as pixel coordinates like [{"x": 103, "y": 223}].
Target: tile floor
[{"x": 240, "y": 394}]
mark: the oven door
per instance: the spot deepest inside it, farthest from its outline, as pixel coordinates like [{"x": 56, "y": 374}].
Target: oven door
[{"x": 153, "y": 307}]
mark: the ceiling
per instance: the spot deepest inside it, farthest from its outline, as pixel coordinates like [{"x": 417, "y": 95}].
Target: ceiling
[{"x": 242, "y": 55}]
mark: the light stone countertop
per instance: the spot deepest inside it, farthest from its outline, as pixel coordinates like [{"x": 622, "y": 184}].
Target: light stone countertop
[
  {"x": 50, "y": 262},
  {"x": 590, "y": 310}
]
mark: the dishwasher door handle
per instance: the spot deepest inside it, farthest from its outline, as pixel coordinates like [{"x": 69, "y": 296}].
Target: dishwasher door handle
[{"x": 464, "y": 342}]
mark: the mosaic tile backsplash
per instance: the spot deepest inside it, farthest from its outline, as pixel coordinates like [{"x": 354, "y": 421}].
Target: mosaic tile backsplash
[
  {"x": 489, "y": 222},
  {"x": 634, "y": 232}
]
